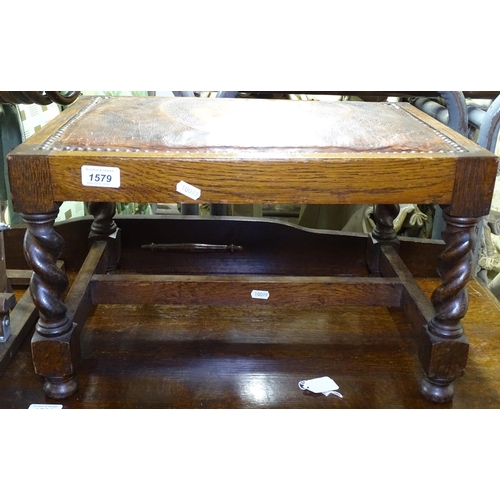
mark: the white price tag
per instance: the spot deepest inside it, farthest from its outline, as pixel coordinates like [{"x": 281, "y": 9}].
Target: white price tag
[
  {"x": 260, "y": 294},
  {"x": 187, "y": 190},
  {"x": 96, "y": 176},
  {"x": 325, "y": 385},
  {"x": 44, "y": 407}
]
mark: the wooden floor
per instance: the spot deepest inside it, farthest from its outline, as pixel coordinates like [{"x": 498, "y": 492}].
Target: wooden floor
[{"x": 143, "y": 356}]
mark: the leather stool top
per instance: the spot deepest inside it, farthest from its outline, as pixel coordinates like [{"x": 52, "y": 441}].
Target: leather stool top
[
  {"x": 162, "y": 124},
  {"x": 251, "y": 151}
]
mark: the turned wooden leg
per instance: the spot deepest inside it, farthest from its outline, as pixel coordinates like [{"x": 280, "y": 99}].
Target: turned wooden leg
[
  {"x": 383, "y": 234},
  {"x": 104, "y": 228},
  {"x": 444, "y": 352},
  {"x": 55, "y": 350}
]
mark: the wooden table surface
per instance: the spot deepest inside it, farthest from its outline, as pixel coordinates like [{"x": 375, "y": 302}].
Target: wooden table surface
[{"x": 148, "y": 356}]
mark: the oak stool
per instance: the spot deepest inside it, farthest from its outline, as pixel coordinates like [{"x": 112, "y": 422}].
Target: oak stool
[{"x": 104, "y": 150}]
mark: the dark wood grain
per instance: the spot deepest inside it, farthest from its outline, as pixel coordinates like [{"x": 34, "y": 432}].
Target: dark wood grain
[
  {"x": 42, "y": 248},
  {"x": 237, "y": 290},
  {"x": 22, "y": 320},
  {"x": 318, "y": 180},
  {"x": 269, "y": 247},
  {"x": 474, "y": 185},
  {"x": 416, "y": 305},
  {"x": 78, "y": 300},
  {"x": 19, "y": 277},
  {"x": 144, "y": 356},
  {"x": 36, "y": 195}
]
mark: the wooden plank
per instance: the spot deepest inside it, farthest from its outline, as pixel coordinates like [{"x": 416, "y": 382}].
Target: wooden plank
[
  {"x": 19, "y": 277},
  {"x": 22, "y": 319},
  {"x": 474, "y": 185},
  {"x": 255, "y": 357},
  {"x": 232, "y": 290},
  {"x": 31, "y": 182},
  {"x": 416, "y": 305},
  {"x": 270, "y": 247},
  {"x": 22, "y": 277},
  {"x": 322, "y": 180},
  {"x": 78, "y": 301}
]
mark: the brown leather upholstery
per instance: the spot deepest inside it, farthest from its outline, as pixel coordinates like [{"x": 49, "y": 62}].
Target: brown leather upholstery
[{"x": 171, "y": 123}]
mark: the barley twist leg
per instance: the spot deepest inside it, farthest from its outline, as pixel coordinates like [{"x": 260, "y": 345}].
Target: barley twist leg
[
  {"x": 445, "y": 355},
  {"x": 54, "y": 352}
]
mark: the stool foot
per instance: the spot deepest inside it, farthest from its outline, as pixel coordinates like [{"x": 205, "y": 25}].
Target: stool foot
[
  {"x": 60, "y": 387},
  {"x": 437, "y": 391}
]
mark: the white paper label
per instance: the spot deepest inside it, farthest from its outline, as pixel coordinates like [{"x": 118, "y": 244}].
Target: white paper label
[
  {"x": 45, "y": 407},
  {"x": 260, "y": 294},
  {"x": 317, "y": 385},
  {"x": 96, "y": 176},
  {"x": 187, "y": 190}
]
